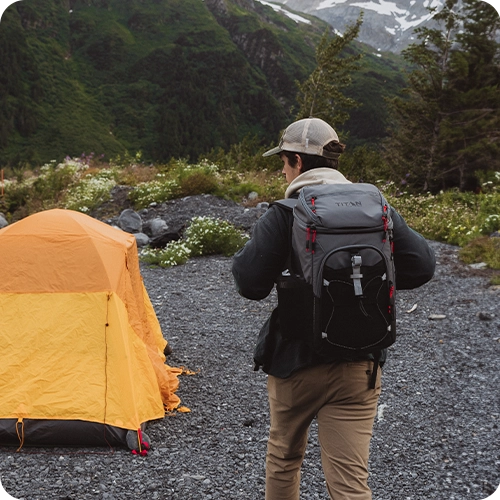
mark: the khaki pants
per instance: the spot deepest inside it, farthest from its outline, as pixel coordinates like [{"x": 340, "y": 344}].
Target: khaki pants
[{"x": 339, "y": 396}]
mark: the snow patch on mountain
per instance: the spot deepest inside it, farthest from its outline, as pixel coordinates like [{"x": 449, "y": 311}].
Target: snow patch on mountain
[
  {"x": 291, "y": 15},
  {"x": 387, "y": 24},
  {"x": 387, "y": 8}
]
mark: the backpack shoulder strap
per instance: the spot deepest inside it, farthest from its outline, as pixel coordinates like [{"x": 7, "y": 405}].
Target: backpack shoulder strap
[{"x": 288, "y": 203}]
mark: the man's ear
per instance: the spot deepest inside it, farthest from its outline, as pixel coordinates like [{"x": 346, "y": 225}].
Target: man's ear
[{"x": 299, "y": 162}]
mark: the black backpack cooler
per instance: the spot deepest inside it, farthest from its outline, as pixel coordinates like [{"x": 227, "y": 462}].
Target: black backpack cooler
[{"x": 342, "y": 299}]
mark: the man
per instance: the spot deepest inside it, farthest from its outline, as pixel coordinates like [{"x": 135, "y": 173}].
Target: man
[{"x": 303, "y": 384}]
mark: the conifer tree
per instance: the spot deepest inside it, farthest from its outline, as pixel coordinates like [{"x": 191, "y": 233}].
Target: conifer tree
[
  {"x": 414, "y": 148},
  {"x": 321, "y": 94},
  {"x": 447, "y": 126},
  {"x": 471, "y": 119}
]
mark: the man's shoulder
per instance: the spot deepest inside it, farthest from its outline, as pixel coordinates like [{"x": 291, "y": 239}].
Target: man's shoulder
[{"x": 286, "y": 203}]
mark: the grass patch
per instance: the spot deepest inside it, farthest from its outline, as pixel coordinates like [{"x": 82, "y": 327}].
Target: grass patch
[{"x": 482, "y": 250}]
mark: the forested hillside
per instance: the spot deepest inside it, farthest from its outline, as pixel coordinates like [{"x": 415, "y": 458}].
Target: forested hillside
[{"x": 170, "y": 78}]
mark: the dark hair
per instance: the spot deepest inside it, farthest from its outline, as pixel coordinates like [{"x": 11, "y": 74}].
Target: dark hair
[{"x": 312, "y": 161}]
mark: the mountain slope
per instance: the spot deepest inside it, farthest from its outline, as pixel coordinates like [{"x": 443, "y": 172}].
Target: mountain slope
[
  {"x": 162, "y": 76},
  {"x": 387, "y": 25},
  {"x": 172, "y": 78}
]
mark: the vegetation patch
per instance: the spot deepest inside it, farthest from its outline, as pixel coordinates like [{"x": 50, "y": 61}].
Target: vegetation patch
[
  {"x": 452, "y": 217},
  {"x": 204, "y": 236},
  {"x": 463, "y": 219},
  {"x": 483, "y": 249}
]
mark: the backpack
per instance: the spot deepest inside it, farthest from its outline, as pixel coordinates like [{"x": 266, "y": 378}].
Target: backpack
[{"x": 339, "y": 295}]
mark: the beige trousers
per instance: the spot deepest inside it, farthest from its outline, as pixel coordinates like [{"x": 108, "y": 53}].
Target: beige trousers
[{"x": 345, "y": 407}]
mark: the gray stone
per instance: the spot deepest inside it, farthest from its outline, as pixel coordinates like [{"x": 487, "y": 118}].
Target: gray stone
[
  {"x": 156, "y": 226},
  {"x": 3, "y": 221},
  {"x": 479, "y": 265},
  {"x": 130, "y": 221},
  {"x": 484, "y": 316},
  {"x": 174, "y": 233},
  {"x": 141, "y": 239},
  {"x": 437, "y": 316}
]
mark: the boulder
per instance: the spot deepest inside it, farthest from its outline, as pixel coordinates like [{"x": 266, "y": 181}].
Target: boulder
[
  {"x": 155, "y": 227},
  {"x": 130, "y": 221},
  {"x": 162, "y": 240},
  {"x": 141, "y": 239},
  {"x": 3, "y": 221}
]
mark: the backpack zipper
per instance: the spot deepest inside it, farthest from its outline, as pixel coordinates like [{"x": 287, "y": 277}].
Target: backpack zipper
[{"x": 311, "y": 237}]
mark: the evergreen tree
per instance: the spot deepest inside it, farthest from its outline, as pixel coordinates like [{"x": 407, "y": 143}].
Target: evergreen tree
[
  {"x": 414, "y": 148},
  {"x": 471, "y": 124},
  {"x": 321, "y": 94},
  {"x": 447, "y": 126}
]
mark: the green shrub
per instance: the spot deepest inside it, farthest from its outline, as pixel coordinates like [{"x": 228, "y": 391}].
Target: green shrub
[
  {"x": 245, "y": 156},
  {"x": 17, "y": 194},
  {"x": 450, "y": 216},
  {"x": 91, "y": 191},
  {"x": 134, "y": 174},
  {"x": 55, "y": 179},
  {"x": 274, "y": 187},
  {"x": 158, "y": 191},
  {"x": 240, "y": 190},
  {"x": 200, "y": 178},
  {"x": 177, "y": 180},
  {"x": 204, "y": 236},
  {"x": 174, "y": 254},
  {"x": 490, "y": 224},
  {"x": 43, "y": 191},
  {"x": 269, "y": 186},
  {"x": 483, "y": 249},
  {"x": 197, "y": 182},
  {"x": 208, "y": 236},
  {"x": 363, "y": 164}
]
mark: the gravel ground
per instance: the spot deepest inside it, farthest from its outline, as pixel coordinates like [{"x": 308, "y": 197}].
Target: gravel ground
[{"x": 436, "y": 435}]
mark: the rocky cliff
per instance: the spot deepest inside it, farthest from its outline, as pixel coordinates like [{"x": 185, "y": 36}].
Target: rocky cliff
[{"x": 387, "y": 25}]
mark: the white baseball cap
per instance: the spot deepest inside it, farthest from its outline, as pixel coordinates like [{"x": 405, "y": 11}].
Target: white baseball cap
[{"x": 310, "y": 136}]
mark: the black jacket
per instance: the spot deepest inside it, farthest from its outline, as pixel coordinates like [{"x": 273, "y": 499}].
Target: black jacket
[{"x": 259, "y": 263}]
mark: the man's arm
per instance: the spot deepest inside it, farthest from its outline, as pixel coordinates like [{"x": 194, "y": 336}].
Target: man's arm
[
  {"x": 257, "y": 265},
  {"x": 414, "y": 259}
]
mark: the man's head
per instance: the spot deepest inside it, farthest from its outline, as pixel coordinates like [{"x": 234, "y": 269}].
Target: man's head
[{"x": 306, "y": 144}]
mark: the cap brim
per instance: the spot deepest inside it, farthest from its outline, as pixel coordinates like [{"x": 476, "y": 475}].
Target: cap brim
[{"x": 273, "y": 151}]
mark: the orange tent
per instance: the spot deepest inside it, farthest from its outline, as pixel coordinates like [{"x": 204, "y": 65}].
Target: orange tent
[{"x": 82, "y": 349}]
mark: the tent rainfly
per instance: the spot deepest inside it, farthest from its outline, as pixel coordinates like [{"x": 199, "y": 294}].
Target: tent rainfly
[{"x": 82, "y": 358}]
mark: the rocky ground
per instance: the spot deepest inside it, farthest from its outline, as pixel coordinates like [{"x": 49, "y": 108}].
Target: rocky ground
[{"x": 436, "y": 435}]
